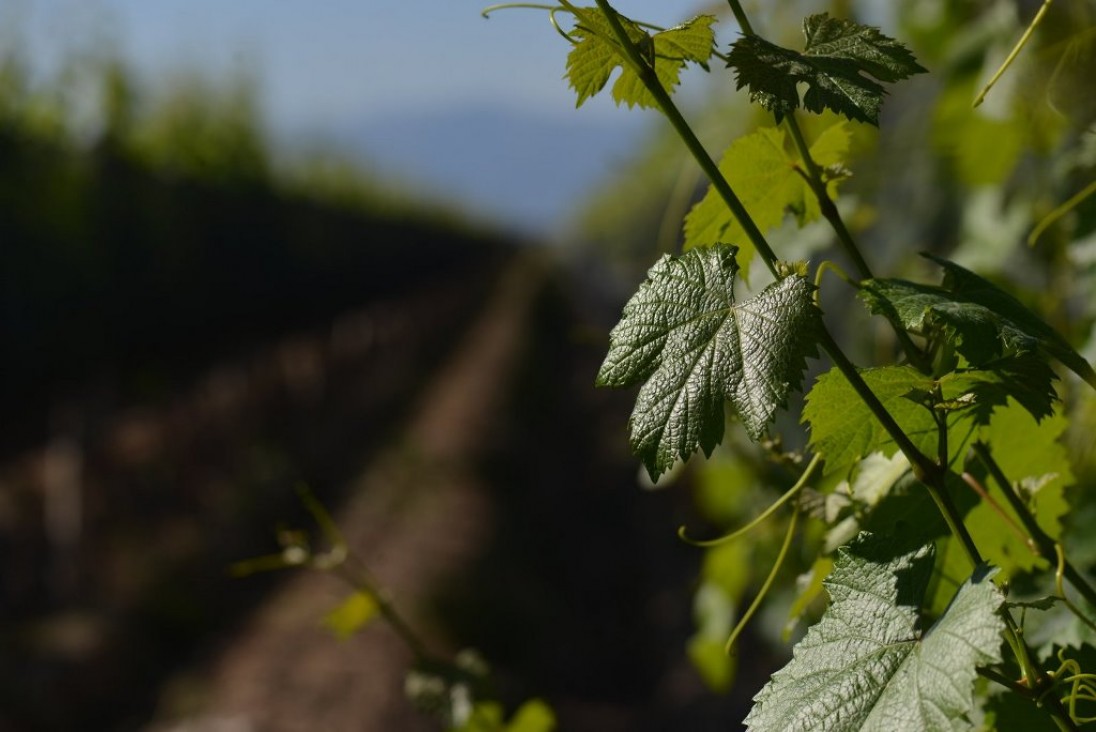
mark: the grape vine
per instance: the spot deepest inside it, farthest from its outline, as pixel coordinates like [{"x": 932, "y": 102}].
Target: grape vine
[{"x": 937, "y": 481}]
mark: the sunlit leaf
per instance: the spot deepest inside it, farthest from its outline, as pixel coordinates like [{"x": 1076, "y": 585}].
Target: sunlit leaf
[
  {"x": 532, "y": 716},
  {"x": 844, "y": 430},
  {"x": 695, "y": 349},
  {"x": 982, "y": 320},
  {"x": 597, "y": 54},
  {"x": 868, "y": 665},
  {"x": 762, "y": 169}
]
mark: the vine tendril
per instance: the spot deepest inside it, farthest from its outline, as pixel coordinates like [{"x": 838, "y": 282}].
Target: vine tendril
[
  {"x": 745, "y": 619},
  {"x": 791, "y": 493}
]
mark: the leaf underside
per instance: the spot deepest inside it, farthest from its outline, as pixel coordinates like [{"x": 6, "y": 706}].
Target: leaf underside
[
  {"x": 984, "y": 322},
  {"x": 694, "y": 349},
  {"x": 833, "y": 63},
  {"x": 865, "y": 666}
]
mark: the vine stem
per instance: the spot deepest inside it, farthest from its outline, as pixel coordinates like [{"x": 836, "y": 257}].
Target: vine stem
[
  {"x": 923, "y": 467},
  {"x": 928, "y": 472},
  {"x": 746, "y": 616},
  {"x": 354, "y": 572},
  {"x": 360, "y": 578},
  {"x": 1015, "y": 52},
  {"x": 1046, "y": 545},
  {"x": 685, "y": 132},
  {"x": 932, "y": 475},
  {"x": 814, "y": 172},
  {"x": 740, "y": 17}
]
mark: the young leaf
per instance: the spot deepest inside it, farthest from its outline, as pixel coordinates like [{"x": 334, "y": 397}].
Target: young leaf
[
  {"x": 866, "y": 664},
  {"x": 351, "y": 615},
  {"x": 834, "y": 60},
  {"x": 983, "y": 321},
  {"x": 592, "y": 61},
  {"x": 695, "y": 348},
  {"x": 762, "y": 168},
  {"x": 533, "y": 716}
]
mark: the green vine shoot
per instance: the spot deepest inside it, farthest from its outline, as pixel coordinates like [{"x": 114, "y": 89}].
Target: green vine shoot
[{"x": 930, "y": 499}]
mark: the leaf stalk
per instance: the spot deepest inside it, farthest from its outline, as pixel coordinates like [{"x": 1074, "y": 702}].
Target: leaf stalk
[{"x": 1046, "y": 545}]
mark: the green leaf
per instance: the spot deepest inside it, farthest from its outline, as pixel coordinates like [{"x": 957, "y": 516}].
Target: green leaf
[
  {"x": 809, "y": 588},
  {"x": 1032, "y": 457},
  {"x": 983, "y": 321},
  {"x": 1025, "y": 377},
  {"x": 844, "y": 430},
  {"x": 834, "y": 60},
  {"x": 866, "y": 664},
  {"x": 352, "y": 615},
  {"x": 871, "y": 480},
  {"x": 1008, "y": 712},
  {"x": 762, "y": 169},
  {"x": 533, "y": 716},
  {"x": 487, "y": 716},
  {"x": 597, "y": 54},
  {"x": 695, "y": 348}
]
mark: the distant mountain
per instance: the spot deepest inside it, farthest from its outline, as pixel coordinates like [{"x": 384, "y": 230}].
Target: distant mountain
[{"x": 528, "y": 172}]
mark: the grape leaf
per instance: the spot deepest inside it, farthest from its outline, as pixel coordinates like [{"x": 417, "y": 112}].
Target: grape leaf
[
  {"x": 596, "y": 54},
  {"x": 761, "y": 168},
  {"x": 532, "y": 716},
  {"x": 684, "y": 335},
  {"x": 1033, "y": 459},
  {"x": 713, "y": 613},
  {"x": 866, "y": 665},
  {"x": 1024, "y": 377},
  {"x": 834, "y": 60},
  {"x": 983, "y": 321},
  {"x": 844, "y": 430}
]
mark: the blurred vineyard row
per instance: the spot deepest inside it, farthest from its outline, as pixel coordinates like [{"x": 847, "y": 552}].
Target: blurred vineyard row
[
  {"x": 190, "y": 324},
  {"x": 172, "y": 233}
]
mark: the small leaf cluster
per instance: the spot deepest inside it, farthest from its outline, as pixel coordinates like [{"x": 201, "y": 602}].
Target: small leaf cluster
[{"x": 596, "y": 55}]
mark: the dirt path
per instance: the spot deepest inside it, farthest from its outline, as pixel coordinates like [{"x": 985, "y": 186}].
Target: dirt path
[{"x": 416, "y": 515}]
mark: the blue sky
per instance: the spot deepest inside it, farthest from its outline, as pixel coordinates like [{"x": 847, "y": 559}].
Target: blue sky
[
  {"x": 363, "y": 70},
  {"x": 328, "y": 68},
  {"x": 321, "y": 62}
]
